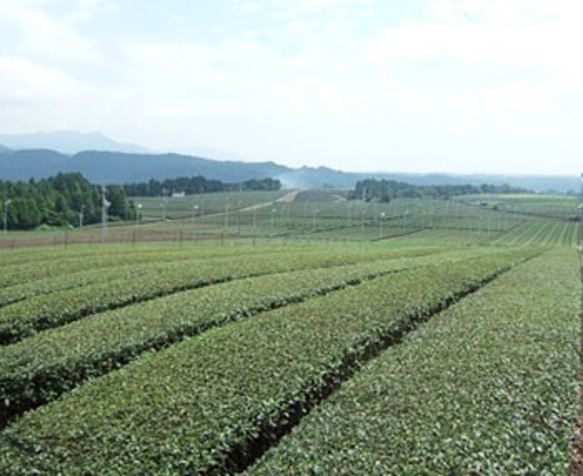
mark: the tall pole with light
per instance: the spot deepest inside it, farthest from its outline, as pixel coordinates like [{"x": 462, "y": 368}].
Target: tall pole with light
[
  {"x": 348, "y": 217},
  {"x": 138, "y": 213},
  {"x": 163, "y": 204},
  {"x": 381, "y": 219},
  {"x": 239, "y": 218},
  {"x": 227, "y": 215},
  {"x": 137, "y": 210},
  {"x": 105, "y": 204},
  {"x": 194, "y": 209},
  {"x": 81, "y": 216},
  {"x": 6, "y": 205},
  {"x": 315, "y": 212}
]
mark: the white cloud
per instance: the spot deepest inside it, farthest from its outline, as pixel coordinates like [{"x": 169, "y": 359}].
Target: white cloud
[
  {"x": 406, "y": 89},
  {"x": 303, "y": 82},
  {"x": 21, "y": 79},
  {"x": 35, "y": 97},
  {"x": 42, "y": 34},
  {"x": 86, "y": 10},
  {"x": 247, "y": 6}
]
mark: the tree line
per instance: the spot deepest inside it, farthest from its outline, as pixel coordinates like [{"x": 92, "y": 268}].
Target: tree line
[
  {"x": 372, "y": 190},
  {"x": 66, "y": 199},
  {"x": 196, "y": 185},
  {"x": 69, "y": 199}
]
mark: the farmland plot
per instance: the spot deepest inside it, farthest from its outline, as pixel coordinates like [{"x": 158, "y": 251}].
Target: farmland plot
[
  {"x": 160, "y": 359},
  {"x": 27, "y": 317},
  {"x": 487, "y": 387},
  {"x": 204, "y": 404},
  {"x": 38, "y": 369}
]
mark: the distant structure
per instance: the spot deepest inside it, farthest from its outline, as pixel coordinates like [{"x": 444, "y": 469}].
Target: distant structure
[{"x": 178, "y": 194}]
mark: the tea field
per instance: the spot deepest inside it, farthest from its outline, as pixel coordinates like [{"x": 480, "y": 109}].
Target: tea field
[{"x": 295, "y": 334}]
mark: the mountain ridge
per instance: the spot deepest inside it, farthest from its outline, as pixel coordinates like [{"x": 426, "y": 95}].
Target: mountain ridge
[
  {"x": 112, "y": 167},
  {"x": 67, "y": 142}
]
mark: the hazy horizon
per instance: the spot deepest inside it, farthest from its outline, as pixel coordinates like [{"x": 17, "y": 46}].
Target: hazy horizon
[{"x": 456, "y": 86}]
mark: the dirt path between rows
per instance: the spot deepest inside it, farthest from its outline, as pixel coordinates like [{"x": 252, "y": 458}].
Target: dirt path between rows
[{"x": 289, "y": 197}]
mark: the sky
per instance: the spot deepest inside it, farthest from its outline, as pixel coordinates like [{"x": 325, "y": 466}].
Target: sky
[{"x": 453, "y": 86}]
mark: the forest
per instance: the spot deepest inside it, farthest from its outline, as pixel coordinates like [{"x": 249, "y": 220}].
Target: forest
[
  {"x": 196, "y": 185},
  {"x": 372, "y": 190},
  {"x": 69, "y": 199},
  {"x": 62, "y": 200}
]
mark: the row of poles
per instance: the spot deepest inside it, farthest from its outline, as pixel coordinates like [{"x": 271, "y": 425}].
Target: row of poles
[{"x": 106, "y": 204}]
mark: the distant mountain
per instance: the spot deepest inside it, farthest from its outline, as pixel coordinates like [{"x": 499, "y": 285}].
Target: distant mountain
[
  {"x": 67, "y": 142},
  {"x": 36, "y": 163},
  {"x": 112, "y": 167},
  {"x": 538, "y": 183},
  {"x": 212, "y": 153},
  {"x": 116, "y": 168},
  {"x": 323, "y": 176}
]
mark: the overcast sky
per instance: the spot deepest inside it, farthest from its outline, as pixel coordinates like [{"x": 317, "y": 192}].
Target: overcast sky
[{"x": 361, "y": 85}]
